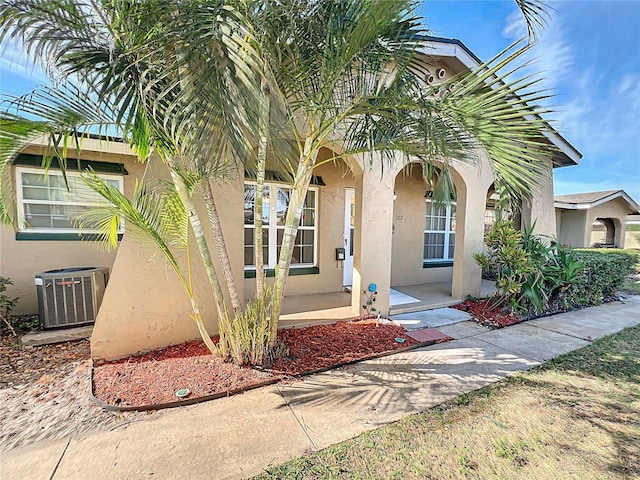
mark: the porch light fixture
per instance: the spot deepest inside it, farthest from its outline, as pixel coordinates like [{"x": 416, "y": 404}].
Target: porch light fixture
[
  {"x": 428, "y": 194},
  {"x": 394, "y": 196}
]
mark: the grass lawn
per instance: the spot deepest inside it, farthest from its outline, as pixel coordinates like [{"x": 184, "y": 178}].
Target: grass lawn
[{"x": 577, "y": 417}]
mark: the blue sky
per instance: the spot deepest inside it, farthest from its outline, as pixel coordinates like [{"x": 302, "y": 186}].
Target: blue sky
[{"x": 589, "y": 56}]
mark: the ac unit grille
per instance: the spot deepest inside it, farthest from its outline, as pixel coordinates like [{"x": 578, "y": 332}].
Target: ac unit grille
[{"x": 70, "y": 300}]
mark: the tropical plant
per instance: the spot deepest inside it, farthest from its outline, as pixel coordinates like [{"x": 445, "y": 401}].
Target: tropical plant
[
  {"x": 531, "y": 272},
  {"x": 506, "y": 255}
]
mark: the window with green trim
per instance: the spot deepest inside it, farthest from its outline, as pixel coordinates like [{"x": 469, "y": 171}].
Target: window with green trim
[
  {"x": 48, "y": 204},
  {"x": 274, "y": 212},
  {"x": 439, "y": 232}
]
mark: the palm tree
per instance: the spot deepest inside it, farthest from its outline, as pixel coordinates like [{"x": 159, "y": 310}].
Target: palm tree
[
  {"x": 133, "y": 61},
  {"x": 326, "y": 63}
]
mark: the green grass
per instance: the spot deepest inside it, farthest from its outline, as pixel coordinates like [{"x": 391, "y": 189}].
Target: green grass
[{"x": 577, "y": 416}]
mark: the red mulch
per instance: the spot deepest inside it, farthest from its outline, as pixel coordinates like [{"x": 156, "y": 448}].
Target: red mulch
[
  {"x": 482, "y": 313},
  {"x": 323, "y": 346},
  {"x": 154, "y": 378}
]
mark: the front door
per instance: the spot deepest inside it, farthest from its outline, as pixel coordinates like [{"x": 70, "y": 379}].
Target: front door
[{"x": 349, "y": 226}]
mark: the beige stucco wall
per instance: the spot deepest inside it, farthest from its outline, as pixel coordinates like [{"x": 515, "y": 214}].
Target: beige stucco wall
[
  {"x": 145, "y": 306},
  {"x": 572, "y": 228},
  {"x": 540, "y": 210},
  {"x": 575, "y": 227},
  {"x": 21, "y": 260}
]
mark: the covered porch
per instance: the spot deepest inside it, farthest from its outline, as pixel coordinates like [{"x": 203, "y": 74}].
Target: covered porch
[{"x": 325, "y": 308}]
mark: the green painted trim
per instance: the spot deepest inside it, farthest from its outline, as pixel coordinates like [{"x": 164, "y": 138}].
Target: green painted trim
[
  {"x": 273, "y": 176},
  {"x": 270, "y": 272},
  {"x": 27, "y": 160},
  {"x": 39, "y": 236},
  {"x": 442, "y": 263}
]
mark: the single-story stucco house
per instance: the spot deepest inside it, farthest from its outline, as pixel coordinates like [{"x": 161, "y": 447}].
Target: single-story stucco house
[
  {"x": 594, "y": 219},
  {"x": 418, "y": 253}
]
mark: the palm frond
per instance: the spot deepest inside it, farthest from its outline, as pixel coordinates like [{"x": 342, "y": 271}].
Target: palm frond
[
  {"x": 147, "y": 215},
  {"x": 489, "y": 108},
  {"x": 536, "y": 15}
]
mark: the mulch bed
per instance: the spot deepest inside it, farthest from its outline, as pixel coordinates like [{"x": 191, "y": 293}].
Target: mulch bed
[
  {"x": 155, "y": 377},
  {"x": 482, "y": 313}
]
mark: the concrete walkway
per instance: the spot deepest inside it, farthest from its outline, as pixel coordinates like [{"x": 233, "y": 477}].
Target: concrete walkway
[{"x": 239, "y": 436}]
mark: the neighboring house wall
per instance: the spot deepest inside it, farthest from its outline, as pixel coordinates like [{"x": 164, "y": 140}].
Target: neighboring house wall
[
  {"x": 572, "y": 228},
  {"x": 21, "y": 260},
  {"x": 576, "y": 225}
]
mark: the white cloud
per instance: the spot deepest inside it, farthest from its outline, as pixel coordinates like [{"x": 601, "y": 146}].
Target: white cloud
[
  {"x": 516, "y": 27},
  {"x": 15, "y": 60},
  {"x": 596, "y": 111}
]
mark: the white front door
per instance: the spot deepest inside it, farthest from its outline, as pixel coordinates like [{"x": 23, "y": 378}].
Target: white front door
[{"x": 349, "y": 226}]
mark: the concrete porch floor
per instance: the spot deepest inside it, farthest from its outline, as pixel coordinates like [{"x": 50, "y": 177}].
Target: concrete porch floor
[
  {"x": 320, "y": 308},
  {"x": 304, "y": 310},
  {"x": 430, "y": 296}
]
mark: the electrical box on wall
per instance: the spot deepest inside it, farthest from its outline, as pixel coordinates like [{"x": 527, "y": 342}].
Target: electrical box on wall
[{"x": 340, "y": 254}]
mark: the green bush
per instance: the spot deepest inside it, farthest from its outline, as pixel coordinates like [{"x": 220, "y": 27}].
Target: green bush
[
  {"x": 6, "y": 304},
  {"x": 603, "y": 275}
]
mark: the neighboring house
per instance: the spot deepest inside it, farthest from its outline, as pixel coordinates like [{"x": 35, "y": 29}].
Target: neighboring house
[
  {"x": 594, "y": 219},
  {"x": 632, "y": 238},
  {"x": 391, "y": 232}
]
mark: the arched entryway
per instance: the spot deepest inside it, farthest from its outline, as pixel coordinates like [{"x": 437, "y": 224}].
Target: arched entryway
[
  {"x": 603, "y": 232},
  {"x": 433, "y": 242}
]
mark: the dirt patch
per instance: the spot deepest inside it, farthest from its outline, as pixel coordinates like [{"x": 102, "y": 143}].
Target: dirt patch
[
  {"x": 155, "y": 377},
  {"x": 45, "y": 394},
  {"x": 22, "y": 365}
]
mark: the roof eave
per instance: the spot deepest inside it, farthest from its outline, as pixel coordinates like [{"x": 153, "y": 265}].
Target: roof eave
[{"x": 567, "y": 154}]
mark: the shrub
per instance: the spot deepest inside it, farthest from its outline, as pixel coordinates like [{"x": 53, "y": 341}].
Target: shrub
[
  {"x": 245, "y": 340},
  {"x": 530, "y": 273},
  {"x": 6, "y": 303},
  {"x": 602, "y": 276}
]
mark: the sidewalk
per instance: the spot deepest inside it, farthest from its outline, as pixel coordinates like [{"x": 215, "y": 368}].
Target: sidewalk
[{"x": 239, "y": 436}]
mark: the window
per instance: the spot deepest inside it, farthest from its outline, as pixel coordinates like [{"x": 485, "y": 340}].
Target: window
[
  {"x": 274, "y": 212},
  {"x": 47, "y": 204},
  {"x": 439, "y": 232},
  {"x": 489, "y": 217}
]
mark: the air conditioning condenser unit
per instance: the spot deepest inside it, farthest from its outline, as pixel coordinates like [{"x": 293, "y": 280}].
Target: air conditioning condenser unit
[{"x": 70, "y": 297}]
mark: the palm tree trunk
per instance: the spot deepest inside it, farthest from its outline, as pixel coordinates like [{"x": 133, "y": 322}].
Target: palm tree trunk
[
  {"x": 201, "y": 328},
  {"x": 198, "y": 233},
  {"x": 294, "y": 213},
  {"x": 260, "y": 174},
  {"x": 221, "y": 246}
]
